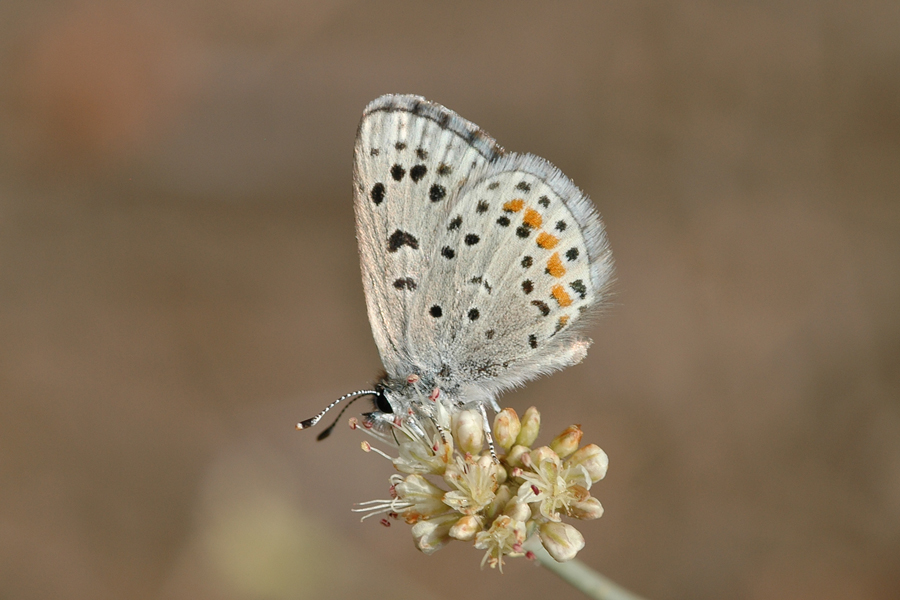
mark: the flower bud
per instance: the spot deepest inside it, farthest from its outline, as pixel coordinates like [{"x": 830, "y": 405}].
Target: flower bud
[
  {"x": 468, "y": 431},
  {"x": 531, "y": 425},
  {"x": 514, "y": 458},
  {"x": 466, "y": 528},
  {"x": 506, "y": 428},
  {"x": 501, "y": 498},
  {"x": 592, "y": 458},
  {"x": 587, "y": 509},
  {"x": 561, "y": 540},
  {"x": 539, "y": 455},
  {"x": 567, "y": 442},
  {"x": 487, "y": 464},
  {"x": 433, "y": 534},
  {"x": 518, "y": 510}
]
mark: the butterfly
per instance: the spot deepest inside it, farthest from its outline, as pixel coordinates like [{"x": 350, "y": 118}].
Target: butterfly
[{"x": 479, "y": 265}]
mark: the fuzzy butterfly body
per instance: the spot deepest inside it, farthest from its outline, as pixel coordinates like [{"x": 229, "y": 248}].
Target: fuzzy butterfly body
[{"x": 479, "y": 265}]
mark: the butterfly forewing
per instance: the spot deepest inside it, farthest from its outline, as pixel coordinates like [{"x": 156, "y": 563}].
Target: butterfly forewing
[{"x": 411, "y": 158}]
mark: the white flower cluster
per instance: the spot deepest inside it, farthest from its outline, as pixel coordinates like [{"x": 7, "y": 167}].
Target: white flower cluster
[{"x": 453, "y": 489}]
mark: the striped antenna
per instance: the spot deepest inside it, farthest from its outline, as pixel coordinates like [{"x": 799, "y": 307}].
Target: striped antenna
[{"x": 310, "y": 422}]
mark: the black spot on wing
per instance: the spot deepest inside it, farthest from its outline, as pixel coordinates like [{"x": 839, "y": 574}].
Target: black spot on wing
[
  {"x": 418, "y": 172},
  {"x": 579, "y": 287},
  {"x": 437, "y": 192},
  {"x": 487, "y": 369},
  {"x": 399, "y": 239},
  {"x": 405, "y": 283},
  {"x": 377, "y": 193},
  {"x": 542, "y": 306},
  {"x": 478, "y": 280}
]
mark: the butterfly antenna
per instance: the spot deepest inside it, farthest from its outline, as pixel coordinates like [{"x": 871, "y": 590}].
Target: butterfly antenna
[
  {"x": 310, "y": 422},
  {"x": 330, "y": 428}
]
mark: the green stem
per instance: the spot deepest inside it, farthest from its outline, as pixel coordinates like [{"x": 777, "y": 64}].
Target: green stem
[{"x": 580, "y": 576}]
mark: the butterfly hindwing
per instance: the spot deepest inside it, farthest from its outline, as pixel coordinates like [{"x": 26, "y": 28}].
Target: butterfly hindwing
[{"x": 529, "y": 260}]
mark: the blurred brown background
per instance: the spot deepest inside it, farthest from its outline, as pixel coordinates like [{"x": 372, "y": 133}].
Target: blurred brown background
[{"x": 179, "y": 285}]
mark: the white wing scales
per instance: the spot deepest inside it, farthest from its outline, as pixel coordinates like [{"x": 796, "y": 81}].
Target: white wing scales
[
  {"x": 477, "y": 265},
  {"x": 411, "y": 158}
]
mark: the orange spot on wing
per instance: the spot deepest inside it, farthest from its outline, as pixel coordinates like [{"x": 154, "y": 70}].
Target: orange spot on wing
[
  {"x": 555, "y": 266},
  {"x": 533, "y": 218},
  {"x": 514, "y": 205},
  {"x": 563, "y": 320},
  {"x": 545, "y": 240},
  {"x": 560, "y": 295}
]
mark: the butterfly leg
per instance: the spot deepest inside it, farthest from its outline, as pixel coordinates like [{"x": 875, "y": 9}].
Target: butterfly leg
[
  {"x": 487, "y": 433},
  {"x": 439, "y": 428}
]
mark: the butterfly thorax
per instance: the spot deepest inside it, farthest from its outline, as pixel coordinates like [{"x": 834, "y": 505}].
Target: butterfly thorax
[{"x": 425, "y": 396}]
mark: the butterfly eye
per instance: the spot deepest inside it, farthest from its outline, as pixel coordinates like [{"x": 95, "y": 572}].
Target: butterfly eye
[{"x": 382, "y": 403}]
